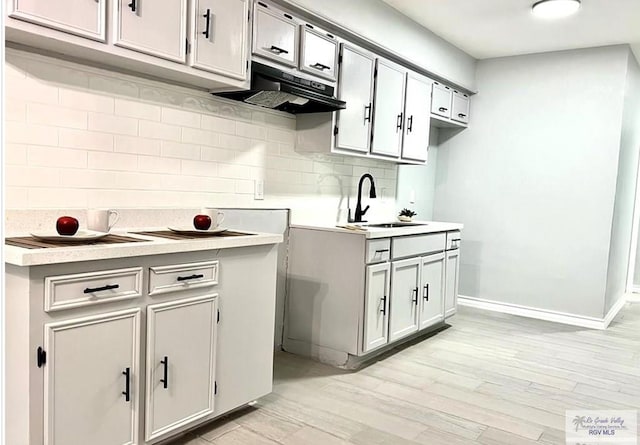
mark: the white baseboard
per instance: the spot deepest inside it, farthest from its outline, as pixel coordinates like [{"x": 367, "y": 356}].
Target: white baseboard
[
  {"x": 541, "y": 314},
  {"x": 633, "y": 298}
]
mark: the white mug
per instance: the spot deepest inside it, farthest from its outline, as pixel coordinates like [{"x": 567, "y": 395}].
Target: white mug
[
  {"x": 98, "y": 219},
  {"x": 216, "y": 216}
]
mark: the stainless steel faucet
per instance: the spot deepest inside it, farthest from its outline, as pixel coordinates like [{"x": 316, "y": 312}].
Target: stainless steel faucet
[{"x": 372, "y": 194}]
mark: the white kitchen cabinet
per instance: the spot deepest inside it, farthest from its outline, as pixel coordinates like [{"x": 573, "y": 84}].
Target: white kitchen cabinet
[
  {"x": 405, "y": 283},
  {"x": 219, "y": 32},
  {"x": 452, "y": 272},
  {"x": 355, "y": 87},
  {"x": 157, "y": 27},
  {"x": 91, "y": 389},
  {"x": 460, "y": 107},
  {"x": 417, "y": 118},
  {"x": 441, "y": 100},
  {"x": 376, "y": 306},
  {"x": 318, "y": 52},
  {"x": 388, "y": 109},
  {"x": 275, "y": 35},
  {"x": 181, "y": 340},
  {"x": 432, "y": 276},
  {"x": 85, "y": 18}
]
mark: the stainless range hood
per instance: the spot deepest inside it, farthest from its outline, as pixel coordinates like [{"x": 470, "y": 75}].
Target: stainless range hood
[{"x": 280, "y": 90}]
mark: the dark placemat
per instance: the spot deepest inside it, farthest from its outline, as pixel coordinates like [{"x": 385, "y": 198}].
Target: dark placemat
[
  {"x": 169, "y": 234},
  {"x": 29, "y": 242}
]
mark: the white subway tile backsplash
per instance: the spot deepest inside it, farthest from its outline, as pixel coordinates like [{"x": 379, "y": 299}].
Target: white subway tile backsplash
[
  {"x": 108, "y": 140},
  {"x": 109, "y": 123},
  {"x": 112, "y": 161},
  {"x": 138, "y": 110},
  {"x": 158, "y": 165},
  {"x": 56, "y": 157},
  {"x": 218, "y": 124},
  {"x": 251, "y": 131},
  {"x": 155, "y": 130},
  {"x": 23, "y": 176},
  {"x": 137, "y": 145},
  {"x": 179, "y": 150},
  {"x": 199, "y": 168},
  {"x": 56, "y": 116},
  {"x": 201, "y": 137},
  {"x": 25, "y": 133},
  {"x": 86, "y": 140},
  {"x": 15, "y": 154},
  {"x": 82, "y": 100},
  {"x": 179, "y": 117}
]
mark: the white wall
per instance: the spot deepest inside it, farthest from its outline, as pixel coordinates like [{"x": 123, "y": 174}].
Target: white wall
[
  {"x": 533, "y": 179},
  {"x": 79, "y": 137},
  {"x": 379, "y": 22}
]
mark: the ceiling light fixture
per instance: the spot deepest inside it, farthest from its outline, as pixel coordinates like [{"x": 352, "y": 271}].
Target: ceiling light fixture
[{"x": 555, "y": 9}]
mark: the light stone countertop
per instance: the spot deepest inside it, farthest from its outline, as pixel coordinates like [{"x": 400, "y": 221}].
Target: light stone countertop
[
  {"x": 381, "y": 232},
  {"x": 19, "y": 256}
]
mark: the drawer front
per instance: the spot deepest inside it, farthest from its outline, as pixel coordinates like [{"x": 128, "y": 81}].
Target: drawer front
[
  {"x": 378, "y": 250},
  {"x": 453, "y": 240},
  {"x": 89, "y": 288},
  {"x": 180, "y": 277},
  {"x": 405, "y": 246}
]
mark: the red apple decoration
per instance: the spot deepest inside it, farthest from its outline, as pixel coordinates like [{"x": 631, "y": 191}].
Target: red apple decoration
[
  {"x": 67, "y": 225},
  {"x": 202, "y": 222}
]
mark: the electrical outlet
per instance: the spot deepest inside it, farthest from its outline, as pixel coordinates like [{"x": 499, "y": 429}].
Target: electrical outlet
[{"x": 258, "y": 190}]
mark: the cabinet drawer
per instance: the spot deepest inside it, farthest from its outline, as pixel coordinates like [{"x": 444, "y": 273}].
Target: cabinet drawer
[
  {"x": 179, "y": 277},
  {"x": 89, "y": 288},
  {"x": 378, "y": 250},
  {"x": 453, "y": 240},
  {"x": 405, "y": 246}
]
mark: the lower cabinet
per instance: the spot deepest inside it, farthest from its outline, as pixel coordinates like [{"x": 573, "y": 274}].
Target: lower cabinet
[
  {"x": 376, "y": 306},
  {"x": 181, "y": 339},
  {"x": 451, "y": 285},
  {"x": 380, "y": 291},
  {"x": 405, "y": 282},
  {"x": 91, "y": 379}
]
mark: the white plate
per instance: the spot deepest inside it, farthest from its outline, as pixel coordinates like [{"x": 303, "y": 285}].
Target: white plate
[
  {"x": 80, "y": 236},
  {"x": 194, "y": 231}
]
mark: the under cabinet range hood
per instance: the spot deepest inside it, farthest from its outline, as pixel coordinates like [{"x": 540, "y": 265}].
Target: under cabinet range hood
[{"x": 281, "y": 90}]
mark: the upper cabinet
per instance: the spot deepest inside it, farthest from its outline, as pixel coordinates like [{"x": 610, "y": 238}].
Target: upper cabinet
[
  {"x": 158, "y": 28},
  {"x": 388, "y": 114},
  {"x": 219, "y": 32},
  {"x": 460, "y": 107},
  {"x": 275, "y": 35},
  {"x": 441, "y": 100},
  {"x": 417, "y": 118},
  {"x": 318, "y": 52},
  {"x": 85, "y": 18},
  {"x": 355, "y": 87}
]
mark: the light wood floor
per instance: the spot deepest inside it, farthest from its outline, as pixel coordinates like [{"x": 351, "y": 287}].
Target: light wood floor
[{"x": 488, "y": 379}]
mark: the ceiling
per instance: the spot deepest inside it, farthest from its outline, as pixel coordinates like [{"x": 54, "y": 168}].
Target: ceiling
[{"x": 497, "y": 28}]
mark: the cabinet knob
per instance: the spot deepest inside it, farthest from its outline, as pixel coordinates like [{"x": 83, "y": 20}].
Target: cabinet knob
[
  {"x": 165, "y": 372},
  {"x": 320, "y": 66},
  {"x": 367, "y": 113},
  {"x": 90, "y": 290},
  {"x": 399, "y": 121},
  {"x": 384, "y": 305},
  {"x": 415, "y": 299},
  {"x": 462, "y": 115},
  {"x": 442, "y": 109},
  {"x": 132, "y": 5},
  {"x": 276, "y": 50},
  {"x": 127, "y": 384},
  {"x": 207, "y": 25},
  {"x": 425, "y": 292}
]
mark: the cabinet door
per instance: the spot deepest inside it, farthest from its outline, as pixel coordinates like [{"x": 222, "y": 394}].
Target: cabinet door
[
  {"x": 405, "y": 282},
  {"x": 275, "y": 35},
  {"x": 85, "y": 18},
  {"x": 91, "y": 380},
  {"x": 181, "y": 339},
  {"x": 432, "y": 290},
  {"x": 355, "y": 87},
  {"x": 157, "y": 27},
  {"x": 319, "y": 53},
  {"x": 376, "y": 307},
  {"x": 417, "y": 118},
  {"x": 460, "y": 107},
  {"x": 452, "y": 270},
  {"x": 441, "y": 100},
  {"x": 220, "y": 33},
  {"x": 388, "y": 110}
]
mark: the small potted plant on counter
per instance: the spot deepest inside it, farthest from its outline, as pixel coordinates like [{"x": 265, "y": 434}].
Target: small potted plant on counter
[{"x": 406, "y": 215}]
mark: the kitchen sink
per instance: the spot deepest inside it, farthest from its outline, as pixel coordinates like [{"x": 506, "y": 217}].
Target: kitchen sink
[{"x": 395, "y": 224}]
